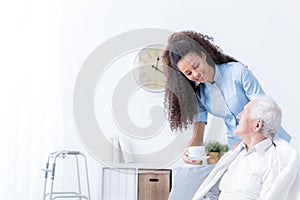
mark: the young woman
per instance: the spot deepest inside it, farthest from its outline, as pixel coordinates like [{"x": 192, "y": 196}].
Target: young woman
[{"x": 201, "y": 79}]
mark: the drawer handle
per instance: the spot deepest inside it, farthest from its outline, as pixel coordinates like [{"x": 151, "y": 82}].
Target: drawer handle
[{"x": 153, "y": 179}]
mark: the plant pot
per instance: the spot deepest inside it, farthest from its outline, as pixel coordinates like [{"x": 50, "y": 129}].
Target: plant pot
[{"x": 214, "y": 157}]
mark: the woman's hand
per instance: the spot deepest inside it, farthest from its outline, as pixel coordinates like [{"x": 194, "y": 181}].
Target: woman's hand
[
  {"x": 196, "y": 140},
  {"x": 188, "y": 161}
]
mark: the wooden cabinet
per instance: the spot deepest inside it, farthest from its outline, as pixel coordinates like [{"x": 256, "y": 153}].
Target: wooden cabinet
[
  {"x": 135, "y": 184},
  {"x": 154, "y": 184}
]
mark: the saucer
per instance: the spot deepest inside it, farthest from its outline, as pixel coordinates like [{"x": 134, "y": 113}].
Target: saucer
[{"x": 197, "y": 158}]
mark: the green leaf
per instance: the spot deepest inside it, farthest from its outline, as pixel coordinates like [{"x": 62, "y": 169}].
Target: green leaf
[{"x": 215, "y": 146}]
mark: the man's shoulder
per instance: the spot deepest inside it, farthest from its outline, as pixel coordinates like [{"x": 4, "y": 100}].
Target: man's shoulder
[
  {"x": 285, "y": 151},
  {"x": 281, "y": 143}
]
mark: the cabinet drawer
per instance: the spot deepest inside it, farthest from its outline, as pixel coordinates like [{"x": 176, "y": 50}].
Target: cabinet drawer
[{"x": 154, "y": 184}]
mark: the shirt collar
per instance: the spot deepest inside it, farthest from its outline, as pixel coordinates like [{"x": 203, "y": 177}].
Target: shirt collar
[
  {"x": 217, "y": 76},
  {"x": 260, "y": 147}
]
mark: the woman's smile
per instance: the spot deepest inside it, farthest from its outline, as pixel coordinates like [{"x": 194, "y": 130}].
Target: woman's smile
[{"x": 195, "y": 68}]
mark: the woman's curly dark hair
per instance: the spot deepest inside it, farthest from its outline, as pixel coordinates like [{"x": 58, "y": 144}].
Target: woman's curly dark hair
[{"x": 180, "y": 102}]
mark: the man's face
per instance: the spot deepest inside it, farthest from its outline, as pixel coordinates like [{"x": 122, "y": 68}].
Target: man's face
[{"x": 246, "y": 125}]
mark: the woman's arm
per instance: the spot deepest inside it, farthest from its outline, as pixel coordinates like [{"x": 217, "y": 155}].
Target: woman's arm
[
  {"x": 196, "y": 140},
  {"x": 198, "y": 132}
]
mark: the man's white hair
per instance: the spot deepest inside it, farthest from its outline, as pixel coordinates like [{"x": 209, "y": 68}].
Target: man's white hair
[{"x": 266, "y": 109}]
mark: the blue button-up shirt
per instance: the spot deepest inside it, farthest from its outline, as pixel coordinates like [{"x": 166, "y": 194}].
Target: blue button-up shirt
[{"x": 233, "y": 87}]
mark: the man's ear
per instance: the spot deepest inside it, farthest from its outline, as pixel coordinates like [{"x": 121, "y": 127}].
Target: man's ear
[{"x": 259, "y": 124}]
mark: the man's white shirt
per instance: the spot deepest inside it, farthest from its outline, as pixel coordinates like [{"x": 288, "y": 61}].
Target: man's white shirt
[{"x": 248, "y": 176}]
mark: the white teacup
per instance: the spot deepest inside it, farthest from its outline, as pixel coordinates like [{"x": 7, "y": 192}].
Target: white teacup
[{"x": 196, "y": 151}]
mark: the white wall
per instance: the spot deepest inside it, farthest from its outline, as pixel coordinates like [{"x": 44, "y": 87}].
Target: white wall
[{"x": 263, "y": 35}]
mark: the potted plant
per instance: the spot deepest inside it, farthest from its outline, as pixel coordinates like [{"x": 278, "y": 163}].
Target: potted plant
[{"x": 214, "y": 150}]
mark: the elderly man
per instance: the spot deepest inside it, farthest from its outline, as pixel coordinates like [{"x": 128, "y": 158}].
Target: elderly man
[{"x": 262, "y": 166}]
